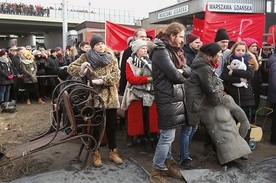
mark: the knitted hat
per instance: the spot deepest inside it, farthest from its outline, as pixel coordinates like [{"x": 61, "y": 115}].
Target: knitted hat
[
  {"x": 221, "y": 35},
  {"x": 137, "y": 44},
  {"x": 249, "y": 41},
  {"x": 210, "y": 49},
  {"x": 2, "y": 52},
  {"x": 63, "y": 74},
  {"x": 191, "y": 38},
  {"x": 96, "y": 38}
]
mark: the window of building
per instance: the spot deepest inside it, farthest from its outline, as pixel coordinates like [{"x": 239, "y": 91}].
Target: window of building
[{"x": 268, "y": 6}]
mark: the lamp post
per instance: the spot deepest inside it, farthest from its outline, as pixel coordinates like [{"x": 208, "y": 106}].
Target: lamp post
[
  {"x": 89, "y": 11},
  {"x": 64, "y": 23}
]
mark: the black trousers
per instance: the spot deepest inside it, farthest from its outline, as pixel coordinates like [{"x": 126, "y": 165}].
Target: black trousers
[{"x": 110, "y": 129}]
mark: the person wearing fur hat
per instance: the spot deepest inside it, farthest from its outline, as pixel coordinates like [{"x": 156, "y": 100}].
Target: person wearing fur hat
[
  {"x": 138, "y": 96},
  {"x": 244, "y": 97},
  {"x": 222, "y": 39},
  {"x": 106, "y": 74},
  {"x": 191, "y": 47},
  {"x": 202, "y": 83},
  {"x": 6, "y": 76},
  {"x": 29, "y": 70},
  {"x": 256, "y": 81}
]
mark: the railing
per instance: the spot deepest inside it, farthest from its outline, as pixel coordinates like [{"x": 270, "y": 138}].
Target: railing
[{"x": 81, "y": 13}]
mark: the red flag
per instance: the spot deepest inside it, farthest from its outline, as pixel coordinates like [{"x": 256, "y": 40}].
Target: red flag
[
  {"x": 116, "y": 35},
  {"x": 237, "y": 26},
  {"x": 272, "y": 30},
  {"x": 198, "y": 27}
]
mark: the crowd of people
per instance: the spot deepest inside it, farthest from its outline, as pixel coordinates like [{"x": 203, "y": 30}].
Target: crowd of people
[
  {"x": 34, "y": 10},
  {"x": 24, "y": 9},
  {"x": 156, "y": 86}
]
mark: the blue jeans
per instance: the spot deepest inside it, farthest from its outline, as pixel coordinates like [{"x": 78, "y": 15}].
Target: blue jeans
[
  {"x": 5, "y": 93},
  {"x": 163, "y": 149},
  {"x": 187, "y": 133}
]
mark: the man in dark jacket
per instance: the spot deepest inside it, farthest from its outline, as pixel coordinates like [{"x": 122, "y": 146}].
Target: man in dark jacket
[
  {"x": 191, "y": 48},
  {"x": 16, "y": 66},
  {"x": 168, "y": 62}
]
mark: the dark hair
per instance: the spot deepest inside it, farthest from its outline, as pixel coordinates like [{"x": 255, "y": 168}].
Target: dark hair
[{"x": 83, "y": 43}]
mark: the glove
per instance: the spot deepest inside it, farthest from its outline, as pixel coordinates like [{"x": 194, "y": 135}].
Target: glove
[
  {"x": 186, "y": 71},
  {"x": 243, "y": 80},
  {"x": 150, "y": 79},
  {"x": 97, "y": 81},
  {"x": 10, "y": 76},
  {"x": 83, "y": 68}
]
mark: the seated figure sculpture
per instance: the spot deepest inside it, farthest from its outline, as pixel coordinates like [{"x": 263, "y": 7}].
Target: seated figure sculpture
[{"x": 220, "y": 123}]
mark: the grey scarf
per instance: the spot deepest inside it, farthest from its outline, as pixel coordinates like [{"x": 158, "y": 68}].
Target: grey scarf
[{"x": 98, "y": 60}]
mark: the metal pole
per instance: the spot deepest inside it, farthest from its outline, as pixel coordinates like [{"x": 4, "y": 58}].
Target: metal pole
[{"x": 64, "y": 23}]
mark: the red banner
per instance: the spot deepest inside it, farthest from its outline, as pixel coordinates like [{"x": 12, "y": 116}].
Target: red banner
[
  {"x": 198, "y": 27},
  {"x": 237, "y": 26},
  {"x": 272, "y": 30},
  {"x": 116, "y": 35}
]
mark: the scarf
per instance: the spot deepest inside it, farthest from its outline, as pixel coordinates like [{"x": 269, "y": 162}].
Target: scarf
[
  {"x": 244, "y": 58},
  {"x": 26, "y": 61},
  {"x": 4, "y": 60},
  {"x": 140, "y": 62},
  {"x": 98, "y": 60},
  {"x": 176, "y": 53}
]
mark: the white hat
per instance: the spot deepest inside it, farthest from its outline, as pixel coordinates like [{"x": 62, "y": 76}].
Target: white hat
[{"x": 137, "y": 44}]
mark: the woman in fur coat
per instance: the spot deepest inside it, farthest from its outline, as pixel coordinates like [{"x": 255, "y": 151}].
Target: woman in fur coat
[{"x": 106, "y": 75}]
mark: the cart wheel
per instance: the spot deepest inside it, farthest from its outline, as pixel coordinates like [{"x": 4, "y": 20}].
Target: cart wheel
[{"x": 252, "y": 145}]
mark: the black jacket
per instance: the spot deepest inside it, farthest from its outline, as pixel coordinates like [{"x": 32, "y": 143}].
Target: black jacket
[
  {"x": 242, "y": 96},
  {"x": 189, "y": 54},
  {"x": 123, "y": 81},
  {"x": 203, "y": 83},
  {"x": 168, "y": 88}
]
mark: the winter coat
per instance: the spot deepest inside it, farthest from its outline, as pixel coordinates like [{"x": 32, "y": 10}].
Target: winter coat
[
  {"x": 203, "y": 83},
  {"x": 29, "y": 70},
  {"x": 123, "y": 81},
  {"x": 190, "y": 54},
  {"x": 271, "y": 64},
  {"x": 110, "y": 75},
  {"x": 168, "y": 88},
  {"x": 51, "y": 66},
  {"x": 220, "y": 124},
  {"x": 5, "y": 72},
  {"x": 242, "y": 96},
  {"x": 138, "y": 86}
]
